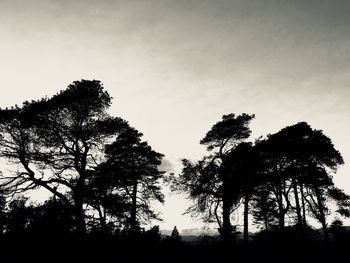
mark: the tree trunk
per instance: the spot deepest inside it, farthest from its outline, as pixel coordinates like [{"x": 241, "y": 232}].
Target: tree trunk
[
  {"x": 79, "y": 215},
  {"x": 79, "y": 193},
  {"x": 245, "y": 219},
  {"x": 281, "y": 215},
  {"x": 303, "y": 204},
  {"x": 266, "y": 224},
  {"x": 280, "y": 211},
  {"x": 322, "y": 215},
  {"x": 226, "y": 224},
  {"x": 281, "y": 220},
  {"x": 297, "y": 204},
  {"x": 133, "y": 218},
  {"x": 102, "y": 220}
]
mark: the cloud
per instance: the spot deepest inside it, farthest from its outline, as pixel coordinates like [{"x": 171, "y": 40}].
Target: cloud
[{"x": 166, "y": 166}]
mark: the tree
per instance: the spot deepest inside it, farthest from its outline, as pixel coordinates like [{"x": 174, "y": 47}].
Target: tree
[
  {"x": 275, "y": 179},
  {"x": 153, "y": 235},
  {"x": 298, "y": 162},
  {"x": 175, "y": 235},
  {"x": 319, "y": 159},
  {"x": 54, "y": 141},
  {"x": 338, "y": 231},
  {"x": 342, "y": 200},
  {"x": 209, "y": 181},
  {"x": 132, "y": 172},
  {"x": 242, "y": 164}
]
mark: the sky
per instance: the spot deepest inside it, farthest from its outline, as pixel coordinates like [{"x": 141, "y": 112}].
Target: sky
[{"x": 174, "y": 67}]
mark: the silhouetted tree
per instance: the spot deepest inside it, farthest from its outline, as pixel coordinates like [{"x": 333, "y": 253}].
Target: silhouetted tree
[
  {"x": 153, "y": 234},
  {"x": 338, "y": 231},
  {"x": 242, "y": 164},
  {"x": 209, "y": 181},
  {"x": 175, "y": 235},
  {"x": 132, "y": 172},
  {"x": 298, "y": 160},
  {"x": 276, "y": 180},
  {"x": 56, "y": 140},
  {"x": 319, "y": 159}
]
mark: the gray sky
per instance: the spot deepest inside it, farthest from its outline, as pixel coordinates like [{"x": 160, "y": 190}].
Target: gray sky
[{"x": 175, "y": 67}]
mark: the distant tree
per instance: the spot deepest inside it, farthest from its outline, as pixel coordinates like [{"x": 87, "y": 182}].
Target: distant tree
[
  {"x": 153, "y": 234},
  {"x": 175, "y": 235},
  {"x": 338, "y": 231},
  {"x": 336, "y": 225}
]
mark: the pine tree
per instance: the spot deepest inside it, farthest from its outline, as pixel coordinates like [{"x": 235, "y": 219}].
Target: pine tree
[{"x": 175, "y": 234}]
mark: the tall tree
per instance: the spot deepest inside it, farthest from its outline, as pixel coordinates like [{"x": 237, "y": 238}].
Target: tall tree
[
  {"x": 242, "y": 164},
  {"x": 132, "y": 167},
  {"x": 276, "y": 180},
  {"x": 317, "y": 159},
  {"x": 299, "y": 162},
  {"x": 209, "y": 180},
  {"x": 54, "y": 141}
]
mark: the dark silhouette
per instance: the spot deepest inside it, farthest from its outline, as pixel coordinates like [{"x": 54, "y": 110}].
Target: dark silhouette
[
  {"x": 55, "y": 140},
  {"x": 244, "y": 170},
  {"x": 175, "y": 235},
  {"x": 129, "y": 178},
  {"x": 51, "y": 217},
  {"x": 103, "y": 179},
  {"x": 285, "y": 174},
  {"x": 210, "y": 181},
  {"x": 296, "y": 161}
]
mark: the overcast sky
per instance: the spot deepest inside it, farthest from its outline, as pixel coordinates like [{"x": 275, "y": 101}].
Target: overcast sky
[{"x": 174, "y": 67}]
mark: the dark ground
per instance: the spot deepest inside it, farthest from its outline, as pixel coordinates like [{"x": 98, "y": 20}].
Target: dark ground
[{"x": 93, "y": 249}]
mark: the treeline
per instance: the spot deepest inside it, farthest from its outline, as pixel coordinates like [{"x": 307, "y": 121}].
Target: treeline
[
  {"x": 96, "y": 165},
  {"x": 103, "y": 177},
  {"x": 281, "y": 180}
]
